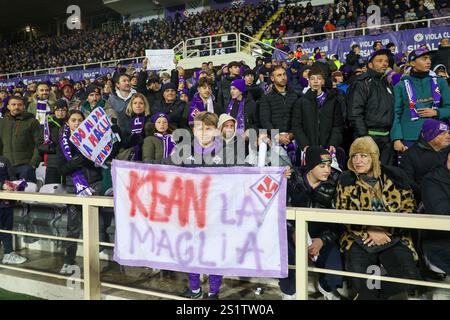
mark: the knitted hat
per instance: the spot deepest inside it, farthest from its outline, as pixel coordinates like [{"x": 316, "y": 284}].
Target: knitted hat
[
  {"x": 156, "y": 116},
  {"x": 368, "y": 146},
  {"x": 239, "y": 84},
  {"x": 380, "y": 52},
  {"x": 431, "y": 128},
  {"x": 169, "y": 86},
  {"x": 61, "y": 104},
  {"x": 91, "y": 89},
  {"x": 316, "y": 155}
]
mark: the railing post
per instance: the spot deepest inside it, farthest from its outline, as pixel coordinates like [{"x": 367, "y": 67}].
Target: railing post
[
  {"x": 301, "y": 257},
  {"x": 396, "y": 27},
  {"x": 210, "y": 46},
  {"x": 91, "y": 261}
]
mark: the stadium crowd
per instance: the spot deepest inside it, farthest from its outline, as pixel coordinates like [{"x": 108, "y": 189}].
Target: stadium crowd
[{"x": 365, "y": 134}]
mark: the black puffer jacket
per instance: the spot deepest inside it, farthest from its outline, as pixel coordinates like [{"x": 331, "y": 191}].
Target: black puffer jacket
[
  {"x": 54, "y": 157},
  {"x": 276, "y": 110},
  {"x": 420, "y": 159},
  {"x": 314, "y": 126},
  {"x": 370, "y": 104},
  {"x": 302, "y": 195}
]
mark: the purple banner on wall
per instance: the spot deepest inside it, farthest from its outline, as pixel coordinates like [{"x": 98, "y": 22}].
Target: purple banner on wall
[
  {"x": 406, "y": 41},
  {"x": 76, "y": 75},
  {"x": 415, "y": 37},
  {"x": 366, "y": 43}
]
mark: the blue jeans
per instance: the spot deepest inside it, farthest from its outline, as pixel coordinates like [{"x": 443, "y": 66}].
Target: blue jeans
[
  {"x": 6, "y": 223},
  {"x": 25, "y": 171}
]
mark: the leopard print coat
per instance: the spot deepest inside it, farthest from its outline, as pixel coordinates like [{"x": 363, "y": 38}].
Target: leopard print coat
[{"x": 353, "y": 194}]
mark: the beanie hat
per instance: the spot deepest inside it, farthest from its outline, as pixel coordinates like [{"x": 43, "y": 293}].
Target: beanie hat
[
  {"x": 92, "y": 88},
  {"x": 239, "y": 84},
  {"x": 158, "y": 115},
  {"x": 431, "y": 128},
  {"x": 169, "y": 86},
  {"x": 316, "y": 155},
  {"x": 60, "y": 104},
  {"x": 368, "y": 146}
]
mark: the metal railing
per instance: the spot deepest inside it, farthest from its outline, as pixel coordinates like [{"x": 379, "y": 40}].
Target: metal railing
[
  {"x": 212, "y": 45},
  {"x": 304, "y": 215},
  {"x": 365, "y": 30},
  {"x": 90, "y": 241}
]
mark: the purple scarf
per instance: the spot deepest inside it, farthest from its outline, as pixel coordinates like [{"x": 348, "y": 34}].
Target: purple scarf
[
  {"x": 137, "y": 127},
  {"x": 41, "y": 111},
  {"x": 80, "y": 185},
  {"x": 321, "y": 99},
  {"x": 168, "y": 143},
  {"x": 291, "y": 150},
  {"x": 196, "y": 107},
  {"x": 413, "y": 98},
  {"x": 46, "y": 131},
  {"x": 240, "y": 115}
]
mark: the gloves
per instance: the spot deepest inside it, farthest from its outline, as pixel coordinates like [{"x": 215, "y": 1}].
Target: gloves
[
  {"x": 136, "y": 139},
  {"x": 76, "y": 162},
  {"x": 115, "y": 128}
]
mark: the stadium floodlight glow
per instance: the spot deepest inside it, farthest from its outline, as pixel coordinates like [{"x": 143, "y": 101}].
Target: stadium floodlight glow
[{"x": 28, "y": 29}]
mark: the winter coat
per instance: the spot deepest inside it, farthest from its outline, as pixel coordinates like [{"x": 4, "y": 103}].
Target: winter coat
[
  {"x": 436, "y": 197},
  {"x": 176, "y": 112},
  {"x": 397, "y": 197},
  {"x": 19, "y": 139},
  {"x": 302, "y": 195},
  {"x": 53, "y": 157},
  {"x": 405, "y": 129},
  {"x": 370, "y": 104},
  {"x": 420, "y": 159},
  {"x": 250, "y": 116},
  {"x": 276, "y": 110},
  {"x": 314, "y": 126}
]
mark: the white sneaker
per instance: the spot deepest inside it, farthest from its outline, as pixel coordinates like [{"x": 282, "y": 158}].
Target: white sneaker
[
  {"x": 13, "y": 258},
  {"x": 68, "y": 268},
  {"x": 288, "y": 296},
  {"x": 328, "y": 295},
  {"x": 103, "y": 256}
]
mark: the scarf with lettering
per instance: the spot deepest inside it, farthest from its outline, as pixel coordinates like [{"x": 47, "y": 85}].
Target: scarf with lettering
[
  {"x": 137, "y": 127},
  {"x": 168, "y": 143},
  {"x": 198, "y": 106}
]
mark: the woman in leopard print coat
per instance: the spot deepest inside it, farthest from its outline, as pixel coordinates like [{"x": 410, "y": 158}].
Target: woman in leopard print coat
[{"x": 368, "y": 186}]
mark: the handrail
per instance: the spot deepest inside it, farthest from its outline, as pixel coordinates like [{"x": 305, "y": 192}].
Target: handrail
[
  {"x": 302, "y": 217},
  {"x": 363, "y": 29}
]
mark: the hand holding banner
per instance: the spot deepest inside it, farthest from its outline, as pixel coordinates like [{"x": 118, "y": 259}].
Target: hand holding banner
[{"x": 94, "y": 137}]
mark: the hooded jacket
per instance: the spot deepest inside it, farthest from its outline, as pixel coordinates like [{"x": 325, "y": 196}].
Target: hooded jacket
[{"x": 234, "y": 150}]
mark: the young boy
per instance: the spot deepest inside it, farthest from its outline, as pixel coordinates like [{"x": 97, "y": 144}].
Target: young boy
[
  {"x": 317, "y": 117},
  {"x": 7, "y": 215}
]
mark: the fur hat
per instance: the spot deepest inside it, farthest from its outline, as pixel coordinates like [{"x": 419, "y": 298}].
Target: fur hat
[{"x": 368, "y": 146}]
